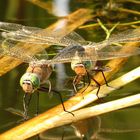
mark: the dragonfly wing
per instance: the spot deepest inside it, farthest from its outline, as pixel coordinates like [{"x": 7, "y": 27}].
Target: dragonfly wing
[
  {"x": 8, "y": 47},
  {"x": 74, "y": 53},
  {"x": 104, "y": 50},
  {"x": 113, "y": 55},
  {"x": 39, "y": 36},
  {"x": 73, "y": 39},
  {"x": 112, "y": 52},
  {"x": 131, "y": 35},
  {"x": 42, "y": 55},
  {"x": 10, "y": 27},
  {"x": 21, "y": 33},
  {"x": 17, "y": 32},
  {"x": 80, "y": 54}
]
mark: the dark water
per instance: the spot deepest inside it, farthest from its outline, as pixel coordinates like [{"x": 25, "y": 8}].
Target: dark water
[{"x": 122, "y": 124}]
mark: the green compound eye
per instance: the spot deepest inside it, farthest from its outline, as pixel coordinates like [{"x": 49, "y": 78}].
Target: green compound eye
[
  {"x": 88, "y": 64},
  {"x": 32, "y": 77}
]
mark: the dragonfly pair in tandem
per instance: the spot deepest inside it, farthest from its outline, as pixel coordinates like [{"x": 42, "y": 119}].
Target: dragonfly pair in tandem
[{"x": 82, "y": 54}]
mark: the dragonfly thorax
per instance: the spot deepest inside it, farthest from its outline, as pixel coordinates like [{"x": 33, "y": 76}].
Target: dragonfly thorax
[
  {"x": 30, "y": 82},
  {"x": 81, "y": 68}
]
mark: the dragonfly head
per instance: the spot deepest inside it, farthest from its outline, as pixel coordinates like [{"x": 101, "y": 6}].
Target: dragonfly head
[
  {"x": 29, "y": 82},
  {"x": 82, "y": 67},
  {"x": 79, "y": 68}
]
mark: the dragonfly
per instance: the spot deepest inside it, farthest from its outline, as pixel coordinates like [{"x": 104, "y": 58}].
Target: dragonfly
[
  {"x": 38, "y": 71},
  {"x": 82, "y": 54}
]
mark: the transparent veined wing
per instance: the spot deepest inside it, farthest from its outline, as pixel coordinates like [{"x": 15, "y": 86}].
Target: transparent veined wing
[
  {"x": 39, "y": 36},
  {"x": 75, "y": 42},
  {"x": 36, "y": 35},
  {"x": 100, "y": 51},
  {"x": 73, "y": 53},
  {"x": 130, "y": 35},
  {"x": 79, "y": 53},
  {"x": 8, "y": 47},
  {"x": 113, "y": 55},
  {"x": 13, "y": 27}
]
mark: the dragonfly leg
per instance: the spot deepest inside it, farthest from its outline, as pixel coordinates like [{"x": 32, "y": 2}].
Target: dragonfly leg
[
  {"x": 24, "y": 107},
  {"x": 26, "y": 102},
  {"x": 44, "y": 89},
  {"x": 84, "y": 81},
  {"x": 63, "y": 134},
  {"x": 89, "y": 81},
  {"x": 59, "y": 94},
  {"x": 75, "y": 83},
  {"x": 37, "y": 104},
  {"x": 104, "y": 78},
  {"x": 99, "y": 70},
  {"x": 88, "y": 78},
  {"x": 50, "y": 85},
  {"x": 98, "y": 84}
]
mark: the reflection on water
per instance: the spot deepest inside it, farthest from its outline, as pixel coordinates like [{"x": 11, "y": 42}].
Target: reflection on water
[
  {"x": 80, "y": 130},
  {"x": 89, "y": 129},
  {"x": 86, "y": 129}
]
